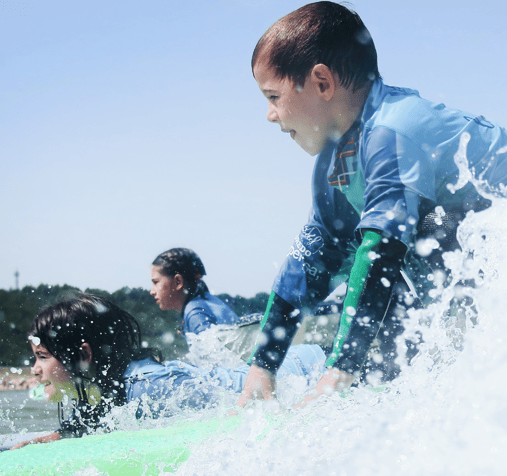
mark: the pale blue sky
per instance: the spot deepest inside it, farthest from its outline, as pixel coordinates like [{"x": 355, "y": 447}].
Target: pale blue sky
[{"x": 131, "y": 127}]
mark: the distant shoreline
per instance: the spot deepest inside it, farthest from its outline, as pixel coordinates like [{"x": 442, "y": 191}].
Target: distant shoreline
[{"x": 17, "y": 381}]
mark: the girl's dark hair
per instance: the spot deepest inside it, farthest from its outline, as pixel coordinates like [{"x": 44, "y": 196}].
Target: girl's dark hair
[
  {"x": 186, "y": 263},
  {"x": 321, "y": 32},
  {"x": 113, "y": 335}
]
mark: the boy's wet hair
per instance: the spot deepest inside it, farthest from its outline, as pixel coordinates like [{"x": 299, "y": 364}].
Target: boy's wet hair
[
  {"x": 321, "y": 32},
  {"x": 186, "y": 263}
]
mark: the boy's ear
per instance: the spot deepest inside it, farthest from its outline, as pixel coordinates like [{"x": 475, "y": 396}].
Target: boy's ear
[
  {"x": 85, "y": 352},
  {"x": 324, "y": 79}
]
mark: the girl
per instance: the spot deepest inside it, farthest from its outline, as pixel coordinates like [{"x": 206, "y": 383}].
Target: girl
[
  {"x": 89, "y": 350},
  {"x": 177, "y": 284}
]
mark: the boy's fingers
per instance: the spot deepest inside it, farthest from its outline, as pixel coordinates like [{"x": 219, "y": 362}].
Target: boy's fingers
[
  {"x": 260, "y": 384},
  {"x": 332, "y": 380}
]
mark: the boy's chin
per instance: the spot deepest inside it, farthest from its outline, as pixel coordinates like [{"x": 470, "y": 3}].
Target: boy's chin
[
  {"x": 311, "y": 148},
  {"x": 312, "y": 152}
]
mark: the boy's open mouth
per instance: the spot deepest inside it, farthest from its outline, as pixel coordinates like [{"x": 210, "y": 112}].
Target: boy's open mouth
[{"x": 292, "y": 132}]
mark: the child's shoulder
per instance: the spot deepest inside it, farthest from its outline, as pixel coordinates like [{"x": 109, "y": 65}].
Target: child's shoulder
[
  {"x": 403, "y": 111},
  {"x": 199, "y": 303}
]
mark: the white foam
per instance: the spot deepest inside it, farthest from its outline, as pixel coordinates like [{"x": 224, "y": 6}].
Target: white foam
[{"x": 445, "y": 415}]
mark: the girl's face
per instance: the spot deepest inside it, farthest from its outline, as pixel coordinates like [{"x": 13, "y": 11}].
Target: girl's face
[
  {"x": 52, "y": 374},
  {"x": 169, "y": 293}
]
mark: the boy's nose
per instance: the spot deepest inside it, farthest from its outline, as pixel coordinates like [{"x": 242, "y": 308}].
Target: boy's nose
[{"x": 272, "y": 115}]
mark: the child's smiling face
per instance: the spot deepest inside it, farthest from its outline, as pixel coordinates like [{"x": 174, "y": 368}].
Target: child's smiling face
[
  {"x": 56, "y": 379},
  {"x": 300, "y": 111}
]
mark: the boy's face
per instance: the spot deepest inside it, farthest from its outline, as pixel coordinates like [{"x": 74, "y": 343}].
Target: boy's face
[{"x": 300, "y": 111}]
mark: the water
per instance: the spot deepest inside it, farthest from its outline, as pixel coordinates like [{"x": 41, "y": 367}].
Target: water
[
  {"x": 20, "y": 414},
  {"x": 445, "y": 415}
]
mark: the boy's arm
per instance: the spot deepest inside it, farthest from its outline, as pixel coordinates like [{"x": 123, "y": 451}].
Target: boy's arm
[
  {"x": 304, "y": 280},
  {"x": 371, "y": 288},
  {"x": 278, "y": 328}
]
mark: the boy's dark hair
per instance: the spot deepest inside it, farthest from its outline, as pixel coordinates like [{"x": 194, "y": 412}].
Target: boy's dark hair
[
  {"x": 185, "y": 262},
  {"x": 321, "y": 32}
]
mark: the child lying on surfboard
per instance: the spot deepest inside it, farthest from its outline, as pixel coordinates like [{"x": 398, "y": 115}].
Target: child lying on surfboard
[{"x": 88, "y": 350}]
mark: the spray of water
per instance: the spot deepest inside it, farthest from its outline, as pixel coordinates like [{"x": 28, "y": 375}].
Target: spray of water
[{"x": 445, "y": 414}]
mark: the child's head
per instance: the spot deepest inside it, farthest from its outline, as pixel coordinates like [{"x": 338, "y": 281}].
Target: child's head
[
  {"x": 319, "y": 33},
  {"x": 315, "y": 66},
  {"x": 85, "y": 339},
  {"x": 176, "y": 278}
]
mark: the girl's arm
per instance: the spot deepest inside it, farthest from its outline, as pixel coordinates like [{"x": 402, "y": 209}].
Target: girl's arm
[{"x": 41, "y": 439}]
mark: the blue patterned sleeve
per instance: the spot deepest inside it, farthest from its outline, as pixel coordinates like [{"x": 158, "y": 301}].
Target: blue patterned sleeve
[
  {"x": 314, "y": 266},
  {"x": 398, "y": 174}
]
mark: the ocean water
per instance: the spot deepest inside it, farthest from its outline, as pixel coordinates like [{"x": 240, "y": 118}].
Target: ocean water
[
  {"x": 20, "y": 414},
  {"x": 446, "y": 414}
]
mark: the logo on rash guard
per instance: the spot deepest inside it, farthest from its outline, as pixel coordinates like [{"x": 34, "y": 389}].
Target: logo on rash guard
[{"x": 308, "y": 242}]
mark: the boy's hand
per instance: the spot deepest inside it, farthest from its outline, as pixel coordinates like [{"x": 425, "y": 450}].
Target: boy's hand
[
  {"x": 260, "y": 384},
  {"x": 332, "y": 380},
  {"x": 41, "y": 439}
]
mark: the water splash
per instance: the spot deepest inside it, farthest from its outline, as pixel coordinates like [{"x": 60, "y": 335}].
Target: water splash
[{"x": 445, "y": 414}]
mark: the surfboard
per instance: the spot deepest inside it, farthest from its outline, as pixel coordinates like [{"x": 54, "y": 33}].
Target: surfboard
[{"x": 121, "y": 453}]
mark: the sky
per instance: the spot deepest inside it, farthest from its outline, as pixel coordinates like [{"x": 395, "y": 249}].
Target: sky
[{"x": 130, "y": 127}]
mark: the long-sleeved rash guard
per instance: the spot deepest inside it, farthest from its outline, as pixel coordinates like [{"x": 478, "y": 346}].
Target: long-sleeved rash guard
[
  {"x": 161, "y": 389},
  {"x": 204, "y": 311},
  {"x": 371, "y": 192}
]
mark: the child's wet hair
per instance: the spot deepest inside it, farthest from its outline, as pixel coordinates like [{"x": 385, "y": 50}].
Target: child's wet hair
[
  {"x": 321, "y": 32},
  {"x": 186, "y": 263},
  {"x": 113, "y": 335},
  {"x": 115, "y": 340}
]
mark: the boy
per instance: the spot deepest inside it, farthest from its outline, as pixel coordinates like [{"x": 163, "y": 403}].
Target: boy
[{"x": 385, "y": 178}]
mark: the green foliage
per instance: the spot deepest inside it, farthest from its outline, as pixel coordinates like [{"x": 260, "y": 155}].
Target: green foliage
[
  {"x": 17, "y": 309},
  {"x": 159, "y": 328},
  {"x": 243, "y": 306}
]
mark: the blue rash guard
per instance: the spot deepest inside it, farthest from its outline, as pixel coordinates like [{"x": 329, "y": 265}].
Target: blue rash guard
[
  {"x": 163, "y": 389},
  {"x": 202, "y": 312},
  {"x": 178, "y": 384},
  {"x": 372, "y": 192}
]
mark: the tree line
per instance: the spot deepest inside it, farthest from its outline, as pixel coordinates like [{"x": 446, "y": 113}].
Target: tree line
[{"x": 158, "y": 328}]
